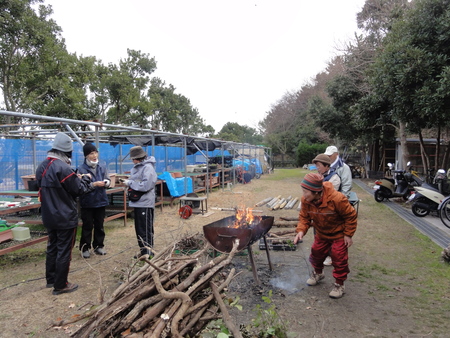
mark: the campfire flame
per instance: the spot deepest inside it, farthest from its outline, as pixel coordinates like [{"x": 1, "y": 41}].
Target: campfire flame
[{"x": 245, "y": 218}]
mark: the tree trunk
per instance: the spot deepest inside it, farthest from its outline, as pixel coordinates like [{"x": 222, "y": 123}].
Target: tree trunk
[{"x": 403, "y": 145}]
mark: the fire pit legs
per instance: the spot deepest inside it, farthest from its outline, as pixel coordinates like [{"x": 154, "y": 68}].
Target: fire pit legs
[
  {"x": 267, "y": 252},
  {"x": 252, "y": 262}
]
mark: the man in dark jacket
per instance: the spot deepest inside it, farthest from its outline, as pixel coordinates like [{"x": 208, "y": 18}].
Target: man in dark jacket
[
  {"x": 93, "y": 204},
  {"x": 59, "y": 187}
]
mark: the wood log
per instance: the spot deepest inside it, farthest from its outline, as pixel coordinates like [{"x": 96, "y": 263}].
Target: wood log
[
  {"x": 280, "y": 234},
  {"x": 277, "y": 205},
  {"x": 264, "y": 201},
  {"x": 292, "y": 203},
  {"x": 226, "y": 316},
  {"x": 289, "y": 218},
  {"x": 273, "y": 201},
  {"x": 170, "y": 287},
  {"x": 285, "y": 224},
  {"x": 282, "y": 205}
]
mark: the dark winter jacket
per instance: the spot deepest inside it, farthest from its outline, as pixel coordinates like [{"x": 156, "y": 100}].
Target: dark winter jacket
[
  {"x": 59, "y": 187},
  {"x": 96, "y": 198}
]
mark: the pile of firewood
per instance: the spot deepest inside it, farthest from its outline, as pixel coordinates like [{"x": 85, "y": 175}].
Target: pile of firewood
[
  {"x": 277, "y": 203},
  {"x": 170, "y": 295}
]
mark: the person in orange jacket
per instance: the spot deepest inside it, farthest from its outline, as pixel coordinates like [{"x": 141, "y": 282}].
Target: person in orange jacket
[{"x": 334, "y": 219}]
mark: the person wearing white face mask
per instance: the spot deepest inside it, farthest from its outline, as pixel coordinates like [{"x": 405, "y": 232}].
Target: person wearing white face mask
[{"x": 93, "y": 204}]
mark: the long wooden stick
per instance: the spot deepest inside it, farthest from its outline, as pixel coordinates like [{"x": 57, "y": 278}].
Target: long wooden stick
[{"x": 226, "y": 316}]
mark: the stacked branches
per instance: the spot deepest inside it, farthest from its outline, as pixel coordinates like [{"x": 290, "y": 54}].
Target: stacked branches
[{"x": 168, "y": 296}]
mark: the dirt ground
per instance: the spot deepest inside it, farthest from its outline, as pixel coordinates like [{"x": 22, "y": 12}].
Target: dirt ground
[{"x": 383, "y": 297}]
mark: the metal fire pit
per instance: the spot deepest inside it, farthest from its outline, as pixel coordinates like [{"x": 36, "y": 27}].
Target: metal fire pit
[{"x": 221, "y": 235}]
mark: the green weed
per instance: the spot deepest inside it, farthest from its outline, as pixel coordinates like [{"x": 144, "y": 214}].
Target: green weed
[{"x": 267, "y": 322}]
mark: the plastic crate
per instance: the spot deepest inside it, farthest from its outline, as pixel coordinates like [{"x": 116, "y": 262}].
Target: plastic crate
[{"x": 277, "y": 245}]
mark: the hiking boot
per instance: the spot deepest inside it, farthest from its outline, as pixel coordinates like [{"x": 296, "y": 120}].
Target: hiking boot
[
  {"x": 315, "y": 278},
  {"x": 327, "y": 261},
  {"x": 100, "y": 251},
  {"x": 85, "y": 254},
  {"x": 338, "y": 291},
  {"x": 70, "y": 287}
]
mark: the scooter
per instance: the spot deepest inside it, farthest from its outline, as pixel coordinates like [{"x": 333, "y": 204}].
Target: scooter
[
  {"x": 428, "y": 197},
  {"x": 399, "y": 186}
]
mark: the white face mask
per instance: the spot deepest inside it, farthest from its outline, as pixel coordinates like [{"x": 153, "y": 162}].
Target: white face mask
[{"x": 92, "y": 164}]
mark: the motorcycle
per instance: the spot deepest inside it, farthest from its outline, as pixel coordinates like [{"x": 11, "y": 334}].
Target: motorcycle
[
  {"x": 402, "y": 185},
  {"x": 428, "y": 197}
]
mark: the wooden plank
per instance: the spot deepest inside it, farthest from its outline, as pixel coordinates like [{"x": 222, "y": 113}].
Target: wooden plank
[{"x": 23, "y": 245}]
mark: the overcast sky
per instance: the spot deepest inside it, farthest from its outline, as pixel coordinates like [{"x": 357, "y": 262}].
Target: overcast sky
[{"x": 233, "y": 59}]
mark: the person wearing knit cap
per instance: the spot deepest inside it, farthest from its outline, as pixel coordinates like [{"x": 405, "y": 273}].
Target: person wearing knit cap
[
  {"x": 93, "y": 205},
  {"x": 334, "y": 220},
  {"x": 59, "y": 186},
  {"x": 323, "y": 163}
]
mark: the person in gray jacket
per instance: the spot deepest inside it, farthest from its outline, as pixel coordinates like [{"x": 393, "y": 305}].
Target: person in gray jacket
[
  {"x": 143, "y": 179},
  {"x": 342, "y": 169},
  {"x": 59, "y": 186}
]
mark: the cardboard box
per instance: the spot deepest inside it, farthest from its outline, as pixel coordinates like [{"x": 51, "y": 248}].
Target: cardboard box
[
  {"x": 209, "y": 183},
  {"x": 112, "y": 177}
]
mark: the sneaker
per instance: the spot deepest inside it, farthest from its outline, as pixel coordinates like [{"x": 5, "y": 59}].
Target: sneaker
[
  {"x": 49, "y": 285},
  {"x": 70, "y": 287},
  {"x": 85, "y": 254},
  {"x": 100, "y": 251},
  {"x": 327, "y": 261},
  {"x": 315, "y": 278},
  {"x": 338, "y": 291}
]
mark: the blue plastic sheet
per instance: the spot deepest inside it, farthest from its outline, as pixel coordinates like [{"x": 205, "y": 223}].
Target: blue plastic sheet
[{"x": 176, "y": 186}]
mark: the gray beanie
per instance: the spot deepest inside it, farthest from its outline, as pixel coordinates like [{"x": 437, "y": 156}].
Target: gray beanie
[{"x": 63, "y": 143}]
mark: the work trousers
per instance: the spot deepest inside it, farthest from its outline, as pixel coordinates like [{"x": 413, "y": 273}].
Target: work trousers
[
  {"x": 58, "y": 256},
  {"x": 143, "y": 224},
  {"x": 93, "y": 219},
  {"x": 338, "y": 252}
]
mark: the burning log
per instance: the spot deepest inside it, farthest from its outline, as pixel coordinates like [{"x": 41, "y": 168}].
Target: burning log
[{"x": 167, "y": 296}]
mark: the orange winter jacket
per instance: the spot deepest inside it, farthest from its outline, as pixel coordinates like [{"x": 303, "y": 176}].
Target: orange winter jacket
[{"x": 333, "y": 218}]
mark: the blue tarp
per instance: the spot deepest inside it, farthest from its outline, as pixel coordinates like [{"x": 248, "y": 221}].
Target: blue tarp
[
  {"x": 257, "y": 164},
  {"x": 242, "y": 163},
  {"x": 176, "y": 186}
]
